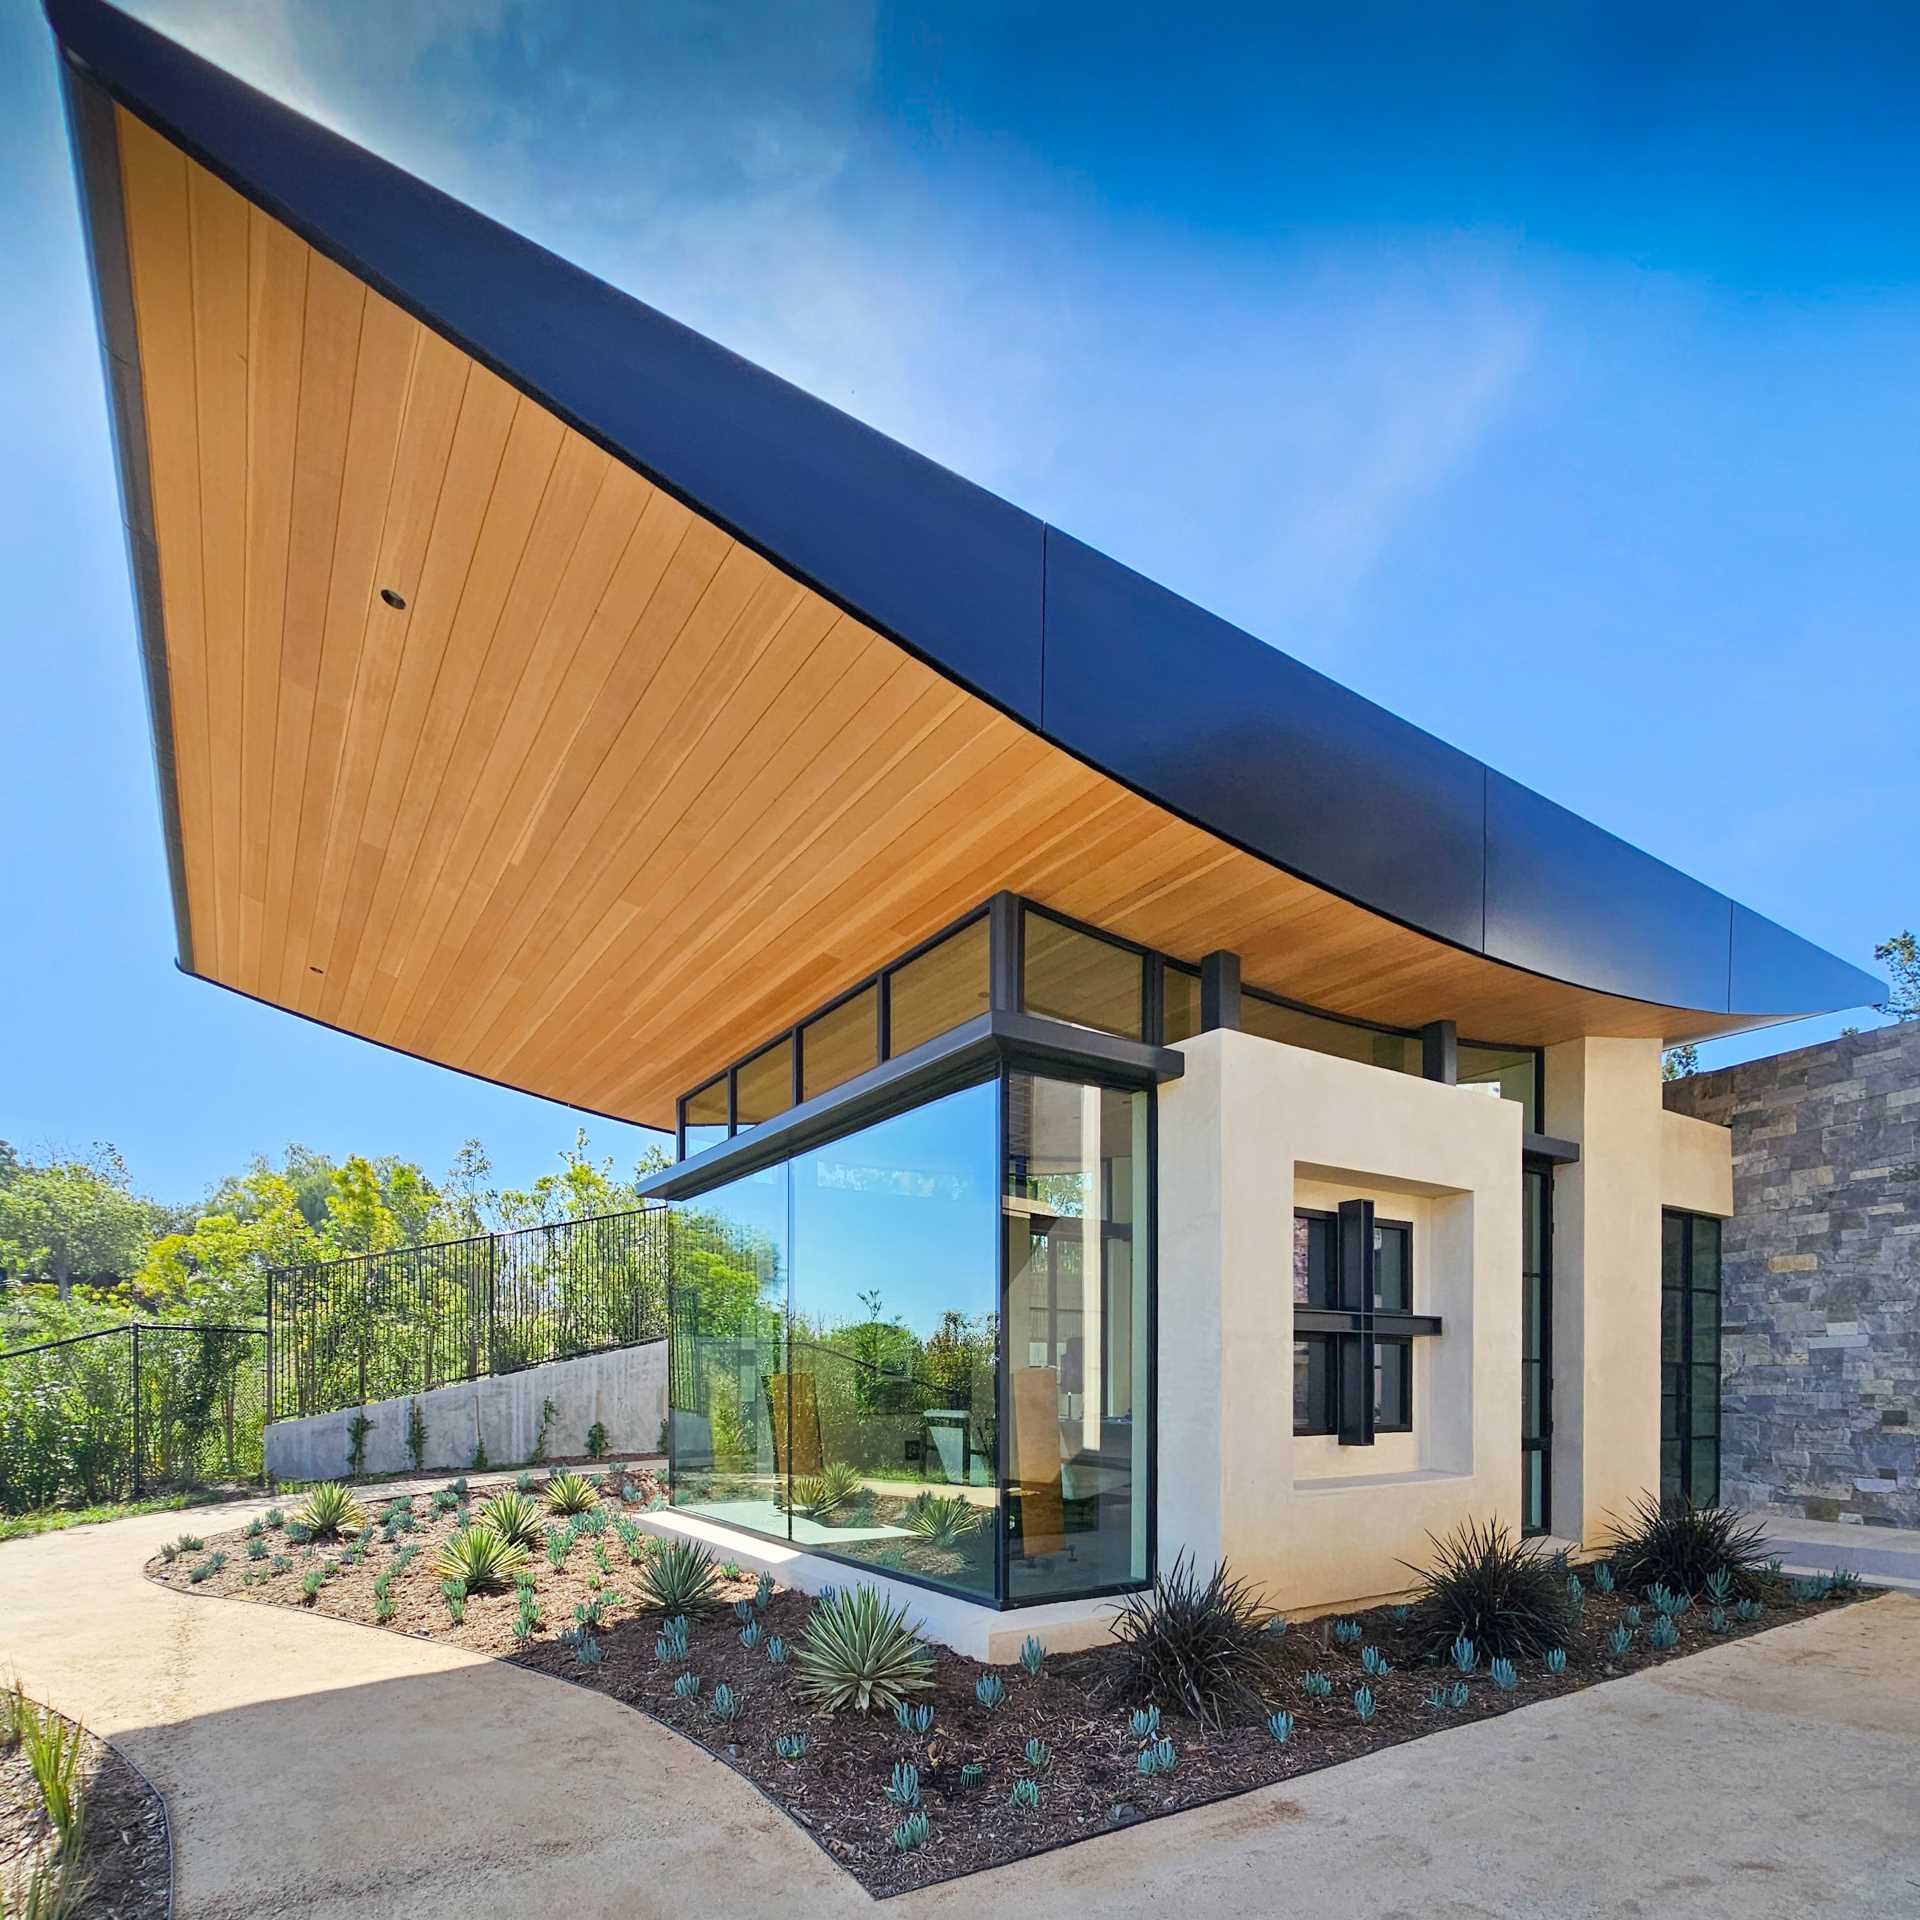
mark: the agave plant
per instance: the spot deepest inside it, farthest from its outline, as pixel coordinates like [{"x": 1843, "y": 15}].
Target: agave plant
[
  {"x": 570, "y": 1493},
  {"x": 941, "y": 1520},
  {"x": 1464, "y": 1654},
  {"x": 1280, "y": 1727},
  {"x": 1144, "y": 1723},
  {"x": 1033, "y": 1656},
  {"x": 791, "y": 1746},
  {"x": 990, "y": 1690},
  {"x": 478, "y": 1557},
  {"x": 1025, "y": 1796},
  {"x": 825, "y": 1493},
  {"x": 1603, "y": 1576},
  {"x": 724, "y": 1705},
  {"x": 1317, "y": 1684},
  {"x": 1503, "y": 1675},
  {"x": 330, "y": 1510},
  {"x": 1364, "y": 1704},
  {"x": 1663, "y": 1633},
  {"x": 857, "y": 1651},
  {"x": 904, "y": 1788},
  {"x": 915, "y": 1720},
  {"x": 1557, "y": 1660},
  {"x": 680, "y": 1579},
  {"x": 686, "y": 1685},
  {"x": 1375, "y": 1662},
  {"x": 1037, "y": 1754},
  {"x": 777, "y": 1651},
  {"x": 912, "y": 1833},
  {"x": 514, "y": 1518},
  {"x": 1677, "y": 1545},
  {"x": 1619, "y": 1640},
  {"x": 1157, "y": 1756},
  {"x": 1347, "y": 1631}
]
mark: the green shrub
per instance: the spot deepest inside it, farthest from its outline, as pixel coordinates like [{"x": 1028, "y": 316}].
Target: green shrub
[
  {"x": 330, "y": 1510},
  {"x": 941, "y": 1520},
  {"x": 1674, "y": 1544},
  {"x": 256, "y": 1549},
  {"x": 311, "y": 1582},
  {"x": 680, "y": 1578},
  {"x": 1200, "y": 1646},
  {"x": 514, "y": 1518},
  {"x": 275, "y": 1519},
  {"x": 1501, "y": 1594},
  {"x": 856, "y": 1651},
  {"x": 570, "y": 1493},
  {"x": 597, "y": 1444},
  {"x": 52, "y": 1747},
  {"x": 478, "y": 1557}
]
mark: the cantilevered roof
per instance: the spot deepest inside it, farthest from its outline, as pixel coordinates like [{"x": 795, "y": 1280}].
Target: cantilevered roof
[{"x": 542, "y": 689}]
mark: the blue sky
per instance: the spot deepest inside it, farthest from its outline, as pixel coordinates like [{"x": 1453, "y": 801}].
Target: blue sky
[{"x": 1551, "y": 375}]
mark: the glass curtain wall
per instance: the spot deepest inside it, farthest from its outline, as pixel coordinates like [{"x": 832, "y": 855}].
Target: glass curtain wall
[
  {"x": 1079, "y": 1248},
  {"x": 840, "y": 1373}
]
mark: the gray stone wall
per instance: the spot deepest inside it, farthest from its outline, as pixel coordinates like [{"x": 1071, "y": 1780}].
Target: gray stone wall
[{"x": 1820, "y": 1406}]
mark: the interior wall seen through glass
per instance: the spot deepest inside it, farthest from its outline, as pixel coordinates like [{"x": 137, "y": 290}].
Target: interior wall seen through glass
[{"x": 1079, "y": 1254}]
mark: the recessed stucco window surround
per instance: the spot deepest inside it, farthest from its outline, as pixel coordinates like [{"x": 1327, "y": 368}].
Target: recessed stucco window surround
[{"x": 1253, "y": 1131}]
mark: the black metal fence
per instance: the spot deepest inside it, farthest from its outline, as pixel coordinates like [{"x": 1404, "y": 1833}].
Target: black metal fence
[
  {"x": 382, "y": 1325},
  {"x": 128, "y": 1410}
]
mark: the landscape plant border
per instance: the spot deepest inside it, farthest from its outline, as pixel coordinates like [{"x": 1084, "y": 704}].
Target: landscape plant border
[{"x": 1381, "y": 1741}]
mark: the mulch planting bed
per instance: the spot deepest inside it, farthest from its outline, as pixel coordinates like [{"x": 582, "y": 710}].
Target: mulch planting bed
[
  {"x": 1076, "y": 1705},
  {"x": 124, "y": 1857}
]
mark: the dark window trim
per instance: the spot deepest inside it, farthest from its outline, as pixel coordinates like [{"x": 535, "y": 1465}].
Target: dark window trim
[
  {"x": 1542, "y": 1168},
  {"x": 1354, "y": 1327},
  {"x": 1687, "y": 1365},
  {"x": 1006, "y": 913}
]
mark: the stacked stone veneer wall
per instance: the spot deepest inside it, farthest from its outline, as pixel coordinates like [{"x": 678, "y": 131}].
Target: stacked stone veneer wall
[{"x": 1820, "y": 1405}]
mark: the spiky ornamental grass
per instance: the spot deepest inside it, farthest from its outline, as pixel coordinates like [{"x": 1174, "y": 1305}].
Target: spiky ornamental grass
[
  {"x": 330, "y": 1509},
  {"x": 514, "y": 1518},
  {"x": 680, "y": 1579},
  {"x": 1674, "y": 1544},
  {"x": 941, "y": 1520},
  {"x": 857, "y": 1651},
  {"x": 1487, "y": 1587},
  {"x": 478, "y": 1557},
  {"x": 1200, "y": 1646},
  {"x": 821, "y": 1495},
  {"x": 570, "y": 1493}
]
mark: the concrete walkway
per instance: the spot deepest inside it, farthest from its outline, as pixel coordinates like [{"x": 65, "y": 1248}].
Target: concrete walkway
[
  {"x": 319, "y": 1769},
  {"x": 1882, "y": 1556}
]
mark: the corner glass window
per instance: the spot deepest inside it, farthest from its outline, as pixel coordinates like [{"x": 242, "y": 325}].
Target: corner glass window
[
  {"x": 1070, "y": 975},
  {"x": 1512, "y": 1071},
  {"x": 763, "y": 1086},
  {"x": 939, "y": 990},
  {"x": 703, "y": 1115},
  {"x": 1690, "y": 1358},
  {"x": 1079, "y": 1252},
  {"x": 1179, "y": 1005},
  {"x": 842, "y": 1042},
  {"x": 1271, "y": 1021},
  {"x": 833, "y": 1374}
]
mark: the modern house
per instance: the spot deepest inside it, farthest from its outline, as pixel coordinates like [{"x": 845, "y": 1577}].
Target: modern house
[{"x": 1133, "y": 1096}]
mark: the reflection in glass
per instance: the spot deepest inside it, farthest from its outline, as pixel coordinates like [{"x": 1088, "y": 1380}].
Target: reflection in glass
[
  {"x": 727, "y": 1301},
  {"x": 1078, "y": 1257},
  {"x": 834, "y": 1376},
  {"x": 933, "y": 994},
  {"x": 840, "y": 1043},
  {"x": 894, "y": 1337},
  {"x": 763, "y": 1086},
  {"x": 1288, "y": 1025},
  {"x": 1069, "y": 975},
  {"x": 1512, "y": 1069},
  {"x": 706, "y": 1115},
  {"x": 1179, "y": 1005}
]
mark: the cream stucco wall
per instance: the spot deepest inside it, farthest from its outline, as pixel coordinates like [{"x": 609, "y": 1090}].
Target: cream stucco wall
[
  {"x": 1252, "y": 1129},
  {"x": 1605, "y": 1095},
  {"x": 1696, "y": 1165}
]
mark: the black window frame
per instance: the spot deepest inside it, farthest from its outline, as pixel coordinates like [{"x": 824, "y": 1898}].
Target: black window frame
[
  {"x": 1680, "y": 1377},
  {"x": 1351, "y": 1326}
]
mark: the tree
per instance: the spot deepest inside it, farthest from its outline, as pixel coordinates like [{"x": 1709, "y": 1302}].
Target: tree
[
  {"x": 63, "y": 1220},
  {"x": 1901, "y": 957},
  {"x": 1680, "y": 1063}
]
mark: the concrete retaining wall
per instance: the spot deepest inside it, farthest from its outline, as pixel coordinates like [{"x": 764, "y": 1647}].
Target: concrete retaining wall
[{"x": 624, "y": 1390}]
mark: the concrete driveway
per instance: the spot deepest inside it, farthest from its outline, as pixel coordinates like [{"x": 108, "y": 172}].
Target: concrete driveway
[{"x": 316, "y": 1768}]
